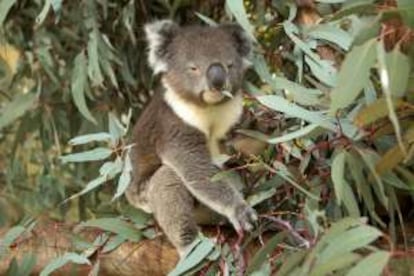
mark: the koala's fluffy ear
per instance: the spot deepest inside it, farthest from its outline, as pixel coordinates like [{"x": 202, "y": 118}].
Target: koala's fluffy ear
[
  {"x": 159, "y": 34},
  {"x": 241, "y": 39}
]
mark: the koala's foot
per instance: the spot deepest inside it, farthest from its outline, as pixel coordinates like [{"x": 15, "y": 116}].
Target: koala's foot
[
  {"x": 173, "y": 208},
  {"x": 243, "y": 217}
]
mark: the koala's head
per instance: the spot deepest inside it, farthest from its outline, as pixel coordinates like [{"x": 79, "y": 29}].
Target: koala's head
[{"x": 205, "y": 65}]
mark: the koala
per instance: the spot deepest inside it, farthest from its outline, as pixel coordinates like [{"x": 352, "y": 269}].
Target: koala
[{"x": 177, "y": 135}]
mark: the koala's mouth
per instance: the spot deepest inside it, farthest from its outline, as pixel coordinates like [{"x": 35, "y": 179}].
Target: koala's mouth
[{"x": 213, "y": 96}]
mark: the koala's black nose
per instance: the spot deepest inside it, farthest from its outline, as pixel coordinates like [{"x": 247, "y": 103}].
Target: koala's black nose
[{"x": 216, "y": 76}]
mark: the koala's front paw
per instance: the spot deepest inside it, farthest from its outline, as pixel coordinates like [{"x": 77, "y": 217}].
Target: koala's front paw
[{"x": 243, "y": 217}]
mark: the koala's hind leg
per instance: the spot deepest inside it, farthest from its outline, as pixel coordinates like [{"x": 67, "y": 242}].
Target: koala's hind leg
[{"x": 173, "y": 206}]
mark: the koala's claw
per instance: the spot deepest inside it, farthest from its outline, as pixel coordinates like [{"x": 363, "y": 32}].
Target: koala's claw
[{"x": 244, "y": 218}]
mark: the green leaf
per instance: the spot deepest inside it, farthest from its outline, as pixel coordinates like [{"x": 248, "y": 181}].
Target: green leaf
[
  {"x": 236, "y": 7},
  {"x": 43, "y": 13},
  {"x": 299, "y": 94},
  {"x": 114, "y": 225},
  {"x": 5, "y": 6},
  {"x": 349, "y": 241},
  {"x": 206, "y": 19},
  {"x": 116, "y": 129},
  {"x": 372, "y": 265},
  {"x": 281, "y": 138},
  {"x": 386, "y": 85},
  {"x": 353, "y": 75},
  {"x": 406, "y": 9},
  {"x": 56, "y": 5},
  {"x": 9, "y": 237},
  {"x": 95, "y": 183},
  {"x": 261, "y": 256},
  {"x": 90, "y": 155},
  {"x": 337, "y": 175},
  {"x": 350, "y": 201},
  {"x": 370, "y": 159},
  {"x": 27, "y": 264},
  {"x": 202, "y": 248},
  {"x": 291, "y": 262},
  {"x": 94, "y": 137},
  {"x": 398, "y": 68},
  {"x": 16, "y": 108},
  {"x": 335, "y": 264},
  {"x": 63, "y": 260},
  {"x": 260, "y": 196},
  {"x": 113, "y": 243},
  {"x": 94, "y": 69},
  {"x": 332, "y": 34},
  {"x": 282, "y": 105},
  {"x": 78, "y": 86},
  {"x": 125, "y": 178}
]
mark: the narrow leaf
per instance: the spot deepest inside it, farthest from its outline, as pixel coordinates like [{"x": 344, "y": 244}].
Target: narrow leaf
[
  {"x": 9, "y": 237},
  {"x": 349, "y": 241},
  {"x": 95, "y": 137},
  {"x": 353, "y": 75},
  {"x": 125, "y": 178},
  {"x": 200, "y": 251},
  {"x": 5, "y": 6},
  {"x": 334, "y": 264},
  {"x": 63, "y": 260},
  {"x": 13, "y": 110},
  {"x": 406, "y": 9},
  {"x": 337, "y": 175},
  {"x": 263, "y": 253},
  {"x": 236, "y": 7},
  {"x": 114, "y": 225},
  {"x": 90, "y": 155},
  {"x": 372, "y": 265},
  {"x": 398, "y": 68},
  {"x": 78, "y": 86},
  {"x": 386, "y": 85}
]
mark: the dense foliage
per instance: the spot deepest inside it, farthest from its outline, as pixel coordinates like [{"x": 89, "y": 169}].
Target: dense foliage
[{"x": 329, "y": 106}]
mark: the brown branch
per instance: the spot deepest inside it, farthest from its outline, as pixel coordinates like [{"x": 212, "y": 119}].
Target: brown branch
[{"x": 49, "y": 240}]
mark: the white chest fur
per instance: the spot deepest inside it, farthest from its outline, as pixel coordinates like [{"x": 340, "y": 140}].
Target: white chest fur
[{"x": 214, "y": 121}]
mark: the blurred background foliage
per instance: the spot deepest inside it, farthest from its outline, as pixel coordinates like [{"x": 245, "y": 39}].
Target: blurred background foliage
[{"x": 327, "y": 136}]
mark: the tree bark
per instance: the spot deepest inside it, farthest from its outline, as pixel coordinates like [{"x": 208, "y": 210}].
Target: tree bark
[{"x": 49, "y": 240}]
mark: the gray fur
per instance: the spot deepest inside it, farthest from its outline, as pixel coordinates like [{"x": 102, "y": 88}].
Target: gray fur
[{"x": 172, "y": 161}]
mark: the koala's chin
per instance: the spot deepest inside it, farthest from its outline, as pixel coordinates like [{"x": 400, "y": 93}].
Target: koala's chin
[
  {"x": 177, "y": 135},
  {"x": 212, "y": 97}
]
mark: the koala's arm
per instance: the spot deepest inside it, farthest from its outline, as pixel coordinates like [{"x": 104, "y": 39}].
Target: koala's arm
[{"x": 188, "y": 155}]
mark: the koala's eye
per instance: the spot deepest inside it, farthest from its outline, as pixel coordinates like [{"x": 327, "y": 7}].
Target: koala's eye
[
  {"x": 230, "y": 65},
  {"x": 192, "y": 68}
]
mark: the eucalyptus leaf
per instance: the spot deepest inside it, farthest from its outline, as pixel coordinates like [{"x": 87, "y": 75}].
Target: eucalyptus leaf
[
  {"x": 336, "y": 263},
  {"x": 95, "y": 137},
  {"x": 338, "y": 175},
  {"x": 349, "y": 241},
  {"x": 78, "y": 86},
  {"x": 398, "y": 67},
  {"x": 332, "y": 34},
  {"x": 5, "y": 6},
  {"x": 202, "y": 249},
  {"x": 353, "y": 75},
  {"x": 16, "y": 108},
  {"x": 60, "y": 261},
  {"x": 262, "y": 254},
  {"x": 90, "y": 155},
  {"x": 125, "y": 178},
  {"x": 372, "y": 265},
  {"x": 236, "y": 7},
  {"x": 9, "y": 237},
  {"x": 406, "y": 9},
  {"x": 114, "y": 225}
]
